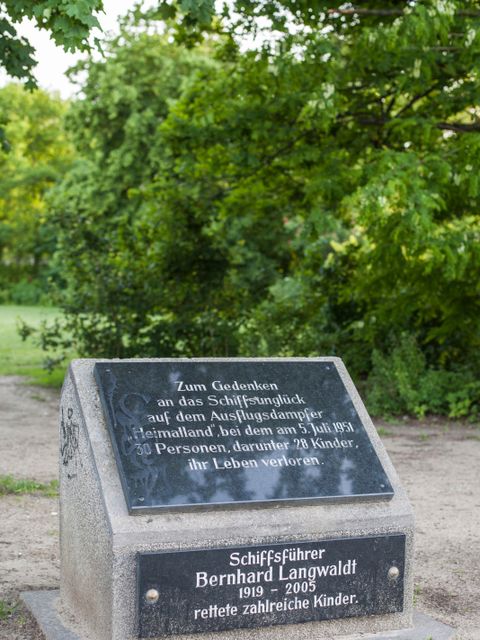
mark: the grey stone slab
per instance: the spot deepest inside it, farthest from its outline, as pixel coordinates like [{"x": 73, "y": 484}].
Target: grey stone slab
[
  {"x": 100, "y": 540},
  {"x": 43, "y": 606},
  {"x": 208, "y": 434}
]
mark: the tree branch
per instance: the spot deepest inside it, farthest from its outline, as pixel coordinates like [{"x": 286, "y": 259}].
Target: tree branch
[
  {"x": 416, "y": 98},
  {"x": 357, "y": 11},
  {"x": 459, "y": 127}
]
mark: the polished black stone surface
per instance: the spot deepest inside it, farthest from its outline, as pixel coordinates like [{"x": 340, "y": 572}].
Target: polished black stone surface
[
  {"x": 200, "y": 433},
  {"x": 218, "y": 589}
]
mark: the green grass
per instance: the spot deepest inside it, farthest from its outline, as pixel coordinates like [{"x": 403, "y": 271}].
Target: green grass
[
  {"x": 12, "y": 486},
  {"x": 6, "y": 609},
  {"x": 24, "y": 358},
  {"x": 382, "y": 432}
]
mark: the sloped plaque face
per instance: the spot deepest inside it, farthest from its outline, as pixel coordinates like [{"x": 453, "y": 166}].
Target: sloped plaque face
[
  {"x": 219, "y": 589},
  {"x": 190, "y": 434}
]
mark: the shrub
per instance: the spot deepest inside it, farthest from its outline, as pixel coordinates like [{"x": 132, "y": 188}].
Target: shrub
[{"x": 402, "y": 382}]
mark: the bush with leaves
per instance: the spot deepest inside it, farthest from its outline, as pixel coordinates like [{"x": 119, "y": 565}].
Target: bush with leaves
[
  {"x": 317, "y": 194},
  {"x": 402, "y": 382}
]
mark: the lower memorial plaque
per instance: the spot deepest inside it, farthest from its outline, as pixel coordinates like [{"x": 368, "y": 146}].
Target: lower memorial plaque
[{"x": 220, "y": 589}]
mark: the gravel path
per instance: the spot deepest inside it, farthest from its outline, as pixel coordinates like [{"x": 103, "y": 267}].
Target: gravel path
[{"x": 439, "y": 463}]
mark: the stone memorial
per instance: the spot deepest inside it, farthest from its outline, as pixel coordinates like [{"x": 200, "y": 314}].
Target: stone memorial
[{"x": 227, "y": 497}]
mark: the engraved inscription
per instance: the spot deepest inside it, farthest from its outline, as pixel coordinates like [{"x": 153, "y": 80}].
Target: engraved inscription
[
  {"x": 192, "y": 433},
  {"x": 211, "y": 590}
]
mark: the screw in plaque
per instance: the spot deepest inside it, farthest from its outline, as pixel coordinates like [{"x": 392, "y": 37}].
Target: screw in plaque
[
  {"x": 152, "y": 596},
  {"x": 393, "y": 573}
]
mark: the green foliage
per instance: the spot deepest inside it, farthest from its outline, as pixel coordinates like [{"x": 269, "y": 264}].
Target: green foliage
[
  {"x": 315, "y": 194},
  {"x": 69, "y": 24},
  {"x": 39, "y": 156},
  {"x": 25, "y": 292},
  {"x": 19, "y": 357},
  {"x": 129, "y": 262},
  {"x": 401, "y": 382}
]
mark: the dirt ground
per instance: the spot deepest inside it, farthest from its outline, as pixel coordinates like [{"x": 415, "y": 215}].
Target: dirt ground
[{"x": 438, "y": 462}]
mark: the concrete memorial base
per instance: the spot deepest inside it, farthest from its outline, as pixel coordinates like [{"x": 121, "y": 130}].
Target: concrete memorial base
[
  {"x": 44, "y": 607},
  {"x": 247, "y": 499}
]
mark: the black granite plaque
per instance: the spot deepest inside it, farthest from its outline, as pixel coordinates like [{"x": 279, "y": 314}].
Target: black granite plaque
[
  {"x": 201, "y": 433},
  {"x": 218, "y": 589}
]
